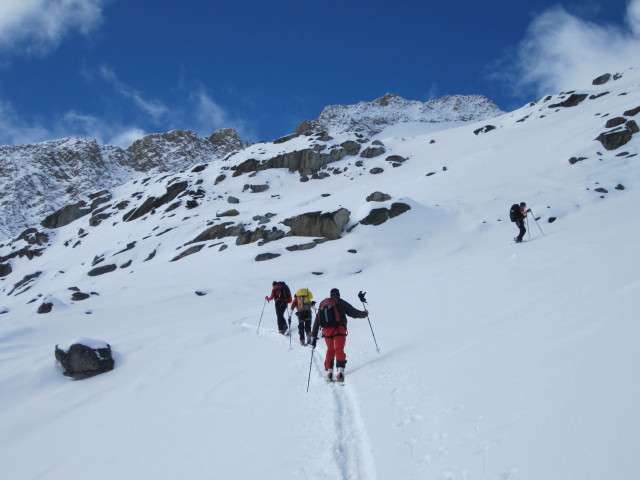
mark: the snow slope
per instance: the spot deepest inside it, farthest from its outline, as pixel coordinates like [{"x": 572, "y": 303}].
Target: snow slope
[{"x": 497, "y": 361}]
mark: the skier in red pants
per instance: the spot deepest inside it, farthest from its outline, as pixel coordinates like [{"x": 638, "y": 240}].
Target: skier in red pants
[{"x": 332, "y": 317}]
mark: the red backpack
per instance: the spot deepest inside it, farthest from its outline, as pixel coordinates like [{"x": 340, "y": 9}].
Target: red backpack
[{"x": 328, "y": 313}]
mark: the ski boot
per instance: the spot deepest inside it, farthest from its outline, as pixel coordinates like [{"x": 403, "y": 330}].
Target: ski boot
[
  {"x": 340, "y": 376},
  {"x": 329, "y": 377}
]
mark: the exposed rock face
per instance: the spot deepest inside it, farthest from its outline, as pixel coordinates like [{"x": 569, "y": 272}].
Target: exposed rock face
[
  {"x": 572, "y": 101},
  {"x": 66, "y": 215},
  {"x": 620, "y": 136},
  {"x": 180, "y": 150},
  {"x": 307, "y": 161},
  {"x": 82, "y": 361},
  {"x": 317, "y": 224},
  {"x": 39, "y": 179},
  {"x": 378, "y": 216}
]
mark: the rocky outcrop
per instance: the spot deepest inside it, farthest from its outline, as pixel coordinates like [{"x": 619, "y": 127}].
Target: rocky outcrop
[
  {"x": 217, "y": 232},
  {"x": 66, "y": 215},
  {"x": 573, "y": 100},
  {"x": 41, "y": 179},
  {"x": 618, "y": 137},
  {"x": 318, "y": 224},
  {"x": 306, "y": 162},
  {"x": 378, "y": 216},
  {"x": 153, "y": 203}
]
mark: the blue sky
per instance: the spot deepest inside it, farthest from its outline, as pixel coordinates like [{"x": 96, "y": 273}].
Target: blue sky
[{"x": 116, "y": 70}]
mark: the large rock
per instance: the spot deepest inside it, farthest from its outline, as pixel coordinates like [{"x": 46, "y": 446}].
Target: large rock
[
  {"x": 615, "y": 138},
  {"x": 66, "y": 215},
  {"x": 85, "y": 358},
  {"x": 318, "y": 224}
]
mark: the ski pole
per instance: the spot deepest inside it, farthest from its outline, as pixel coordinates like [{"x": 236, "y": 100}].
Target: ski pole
[
  {"x": 265, "y": 303},
  {"x": 536, "y": 220},
  {"x": 310, "y": 363},
  {"x": 290, "y": 347},
  {"x": 528, "y": 231},
  {"x": 364, "y": 300}
]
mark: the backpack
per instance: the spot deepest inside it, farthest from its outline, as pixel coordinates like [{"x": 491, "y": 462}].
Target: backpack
[
  {"x": 305, "y": 297},
  {"x": 329, "y": 314},
  {"x": 283, "y": 292},
  {"x": 514, "y": 213}
]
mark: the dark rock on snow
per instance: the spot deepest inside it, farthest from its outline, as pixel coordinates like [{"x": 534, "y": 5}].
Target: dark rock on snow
[{"x": 83, "y": 361}]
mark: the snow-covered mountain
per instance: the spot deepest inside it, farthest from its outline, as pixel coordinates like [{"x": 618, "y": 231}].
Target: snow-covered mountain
[
  {"x": 370, "y": 118},
  {"x": 496, "y": 361},
  {"x": 37, "y": 179}
]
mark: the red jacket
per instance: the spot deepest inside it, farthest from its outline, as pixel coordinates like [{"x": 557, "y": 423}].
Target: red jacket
[{"x": 276, "y": 291}]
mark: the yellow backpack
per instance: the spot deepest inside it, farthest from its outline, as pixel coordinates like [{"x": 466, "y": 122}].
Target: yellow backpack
[{"x": 305, "y": 296}]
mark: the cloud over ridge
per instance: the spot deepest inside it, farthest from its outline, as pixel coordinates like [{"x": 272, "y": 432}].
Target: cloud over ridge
[
  {"x": 38, "y": 26},
  {"x": 563, "y": 51}
]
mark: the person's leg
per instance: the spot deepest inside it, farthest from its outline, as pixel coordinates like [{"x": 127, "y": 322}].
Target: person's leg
[
  {"x": 281, "y": 307},
  {"x": 331, "y": 352}
]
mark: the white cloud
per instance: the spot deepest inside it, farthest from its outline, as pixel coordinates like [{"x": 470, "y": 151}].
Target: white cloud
[
  {"x": 154, "y": 108},
  {"x": 562, "y": 51},
  {"x": 38, "y": 26},
  {"x": 14, "y": 130},
  {"x": 211, "y": 116}
]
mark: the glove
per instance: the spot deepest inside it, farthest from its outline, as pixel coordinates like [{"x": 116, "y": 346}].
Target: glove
[
  {"x": 266, "y": 298},
  {"x": 528, "y": 210},
  {"x": 361, "y": 297},
  {"x": 313, "y": 342}
]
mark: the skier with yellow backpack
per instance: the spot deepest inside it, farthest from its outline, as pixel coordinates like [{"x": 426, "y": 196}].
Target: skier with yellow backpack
[{"x": 302, "y": 302}]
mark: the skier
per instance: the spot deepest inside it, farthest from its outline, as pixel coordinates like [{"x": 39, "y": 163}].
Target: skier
[
  {"x": 335, "y": 334},
  {"x": 518, "y": 215},
  {"x": 302, "y": 302},
  {"x": 282, "y": 295}
]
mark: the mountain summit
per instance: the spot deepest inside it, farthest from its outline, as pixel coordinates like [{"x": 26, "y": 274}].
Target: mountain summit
[{"x": 370, "y": 118}]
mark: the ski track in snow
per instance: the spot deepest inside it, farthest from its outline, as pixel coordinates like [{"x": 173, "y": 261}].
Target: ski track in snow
[{"x": 351, "y": 449}]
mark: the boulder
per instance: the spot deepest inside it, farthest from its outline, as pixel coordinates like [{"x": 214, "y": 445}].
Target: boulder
[
  {"x": 266, "y": 256},
  {"x": 218, "y": 232},
  {"x": 5, "y": 269},
  {"x": 615, "y": 138},
  {"x": 317, "y": 224},
  {"x": 378, "y": 197},
  {"x": 66, "y": 215},
  {"x": 101, "y": 270},
  {"x": 602, "y": 79},
  {"x": 573, "y": 100},
  {"x": 485, "y": 129},
  {"x": 85, "y": 358}
]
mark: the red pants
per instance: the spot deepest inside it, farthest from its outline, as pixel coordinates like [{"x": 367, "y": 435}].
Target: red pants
[{"x": 335, "y": 348}]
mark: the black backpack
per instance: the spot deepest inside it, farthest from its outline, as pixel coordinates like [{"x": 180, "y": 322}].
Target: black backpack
[
  {"x": 328, "y": 313},
  {"x": 283, "y": 292},
  {"x": 514, "y": 213}
]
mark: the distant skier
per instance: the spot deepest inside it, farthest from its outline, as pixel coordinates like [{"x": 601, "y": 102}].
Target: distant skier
[
  {"x": 332, "y": 317},
  {"x": 517, "y": 214},
  {"x": 302, "y": 302},
  {"x": 282, "y": 295}
]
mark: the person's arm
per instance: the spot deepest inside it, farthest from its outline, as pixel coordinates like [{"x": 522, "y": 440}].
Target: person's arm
[{"x": 352, "y": 311}]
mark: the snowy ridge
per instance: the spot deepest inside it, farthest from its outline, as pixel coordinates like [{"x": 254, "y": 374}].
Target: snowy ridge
[
  {"x": 496, "y": 361},
  {"x": 371, "y": 118}
]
